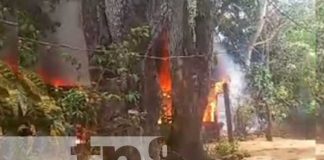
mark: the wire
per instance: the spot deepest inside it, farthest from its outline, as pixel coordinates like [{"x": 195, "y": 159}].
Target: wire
[
  {"x": 58, "y": 45},
  {"x": 9, "y": 22},
  {"x": 102, "y": 50},
  {"x": 286, "y": 15}
]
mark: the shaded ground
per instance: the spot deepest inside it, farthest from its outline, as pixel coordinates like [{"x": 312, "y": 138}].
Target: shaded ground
[{"x": 283, "y": 149}]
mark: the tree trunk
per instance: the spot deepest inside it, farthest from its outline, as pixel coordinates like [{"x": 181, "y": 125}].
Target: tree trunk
[
  {"x": 116, "y": 12},
  {"x": 75, "y": 69},
  {"x": 228, "y": 112},
  {"x": 151, "y": 101},
  {"x": 94, "y": 24},
  {"x": 122, "y": 15},
  {"x": 190, "y": 78},
  {"x": 268, "y": 132},
  {"x": 151, "y": 88},
  {"x": 255, "y": 36}
]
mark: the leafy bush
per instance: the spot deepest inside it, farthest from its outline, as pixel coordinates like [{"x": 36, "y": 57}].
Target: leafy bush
[
  {"x": 227, "y": 151},
  {"x": 25, "y": 100}
]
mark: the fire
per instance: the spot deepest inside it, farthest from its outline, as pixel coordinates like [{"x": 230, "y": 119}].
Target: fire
[
  {"x": 165, "y": 78},
  {"x": 55, "y": 81},
  {"x": 164, "y": 70},
  {"x": 12, "y": 63},
  {"x": 211, "y": 108},
  {"x": 12, "y": 60}
]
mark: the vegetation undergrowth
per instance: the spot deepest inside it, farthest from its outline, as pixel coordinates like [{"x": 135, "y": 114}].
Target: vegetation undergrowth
[{"x": 225, "y": 150}]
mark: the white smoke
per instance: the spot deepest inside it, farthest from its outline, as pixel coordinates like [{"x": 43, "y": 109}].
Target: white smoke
[{"x": 227, "y": 68}]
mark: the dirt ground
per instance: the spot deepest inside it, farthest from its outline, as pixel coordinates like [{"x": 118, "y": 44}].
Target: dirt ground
[{"x": 283, "y": 149}]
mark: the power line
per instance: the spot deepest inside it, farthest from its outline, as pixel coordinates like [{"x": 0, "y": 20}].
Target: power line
[
  {"x": 11, "y": 23},
  {"x": 286, "y": 15},
  {"x": 59, "y": 45}
]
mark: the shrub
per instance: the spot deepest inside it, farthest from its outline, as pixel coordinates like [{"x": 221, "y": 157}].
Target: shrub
[{"x": 227, "y": 151}]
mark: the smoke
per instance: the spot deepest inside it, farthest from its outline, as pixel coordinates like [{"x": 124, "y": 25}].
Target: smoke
[{"x": 228, "y": 69}]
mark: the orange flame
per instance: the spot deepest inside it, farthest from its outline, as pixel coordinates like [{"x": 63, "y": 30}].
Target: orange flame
[
  {"x": 164, "y": 70},
  {"x": 10, "y": 58},
  {"x": 165, "y": 78},
  {"x": 211, "y": 108},
  {"x": 55, "y": 81}
]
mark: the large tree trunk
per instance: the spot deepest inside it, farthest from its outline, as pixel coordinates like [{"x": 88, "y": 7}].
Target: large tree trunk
[
  {"x": 151, "y": 88},
  {"x": 75, "y": 69},
  {"x": 122, "y": 15},
  {"x": 151, "y": 92},
  {"x": 117, "y": 12},
  {"x": 190, "y": 78},
  {"x": 95, "y": 27},
  {"x": 109, "y": 21}
]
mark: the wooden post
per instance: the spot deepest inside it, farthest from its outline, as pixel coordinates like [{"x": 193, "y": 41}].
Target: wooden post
[
  {"x": 228, "y": 112},
  {"x": 268, "y": 132}
]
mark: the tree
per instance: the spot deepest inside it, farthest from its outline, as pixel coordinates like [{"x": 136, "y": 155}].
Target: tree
[
  {"x": 259, "y": 28},
  {"x": 318, "y": 89},
  {"x": 69, "y": 33},
  {"x": 190, "y": 77},
  {"x": 262, "y": 90}
]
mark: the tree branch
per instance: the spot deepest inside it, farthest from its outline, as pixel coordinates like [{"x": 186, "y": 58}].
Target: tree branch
[
  {"x": 11, "y": 23},
  {"x": 254, "y": 38},
  {"x": 274, "y": 33}
]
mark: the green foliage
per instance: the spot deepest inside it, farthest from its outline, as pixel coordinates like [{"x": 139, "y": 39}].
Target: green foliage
[
  {"x": 225, "y": 150},
  {"x": 27, "y": 49},
  {"x": 261, "y": 86},
  {"x": 288, "y": 81},
  {"x": 77, "y": 107},
  {"x": 319, "y": 87},
  {"x": 24, "y": 100},
  {"x": 132, "y": 97},
  {"x": 120, "y": 62},
  {"x": 60, "y": 109},
  {"x": 32, "y": 23},
  {"x": 236, "y": 20},
  {"x": 293, "y": 62},
  {"x": 244, "y": 119},
  {"x": 121, "y": 58}
]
